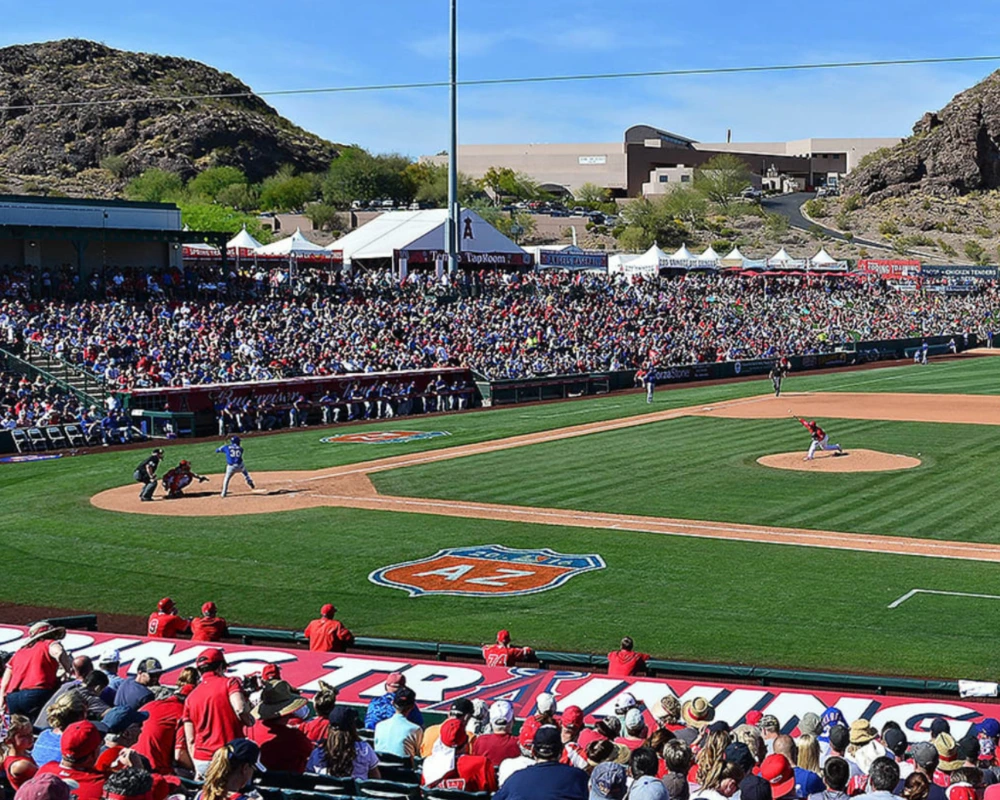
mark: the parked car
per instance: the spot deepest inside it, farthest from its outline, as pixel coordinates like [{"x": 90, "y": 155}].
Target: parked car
[
  {"x": 579, "y": 211},
  {"x": 750, "y": 193},
  {"x": 558, "y": 212}
]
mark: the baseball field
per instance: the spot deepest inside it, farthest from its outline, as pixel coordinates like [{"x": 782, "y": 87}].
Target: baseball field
[{"x": 707, "y": 553}]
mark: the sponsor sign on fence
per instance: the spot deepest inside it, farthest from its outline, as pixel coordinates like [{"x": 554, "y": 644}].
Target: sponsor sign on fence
[
  {"x": 360, "y": 678},
  {"x": 590, "y": 259}
]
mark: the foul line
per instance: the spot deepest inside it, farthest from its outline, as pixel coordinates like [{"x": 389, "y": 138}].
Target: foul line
[{"x": 913, "y": 592}]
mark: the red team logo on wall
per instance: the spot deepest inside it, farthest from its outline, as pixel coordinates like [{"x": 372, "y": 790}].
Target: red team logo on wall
[
  {"x": 485, "y": 571},
  {"x": 382, "y": 437}
]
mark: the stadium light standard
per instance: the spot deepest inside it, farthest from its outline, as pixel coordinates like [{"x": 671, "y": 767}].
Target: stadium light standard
[{"x": 454, "y": 212}]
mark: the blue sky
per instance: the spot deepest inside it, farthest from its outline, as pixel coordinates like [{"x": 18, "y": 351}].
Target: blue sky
[{"x": 309, "y": 43}]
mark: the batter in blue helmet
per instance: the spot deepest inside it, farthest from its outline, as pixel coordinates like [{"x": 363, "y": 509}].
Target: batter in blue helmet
[{"x": 234, "y": 463}]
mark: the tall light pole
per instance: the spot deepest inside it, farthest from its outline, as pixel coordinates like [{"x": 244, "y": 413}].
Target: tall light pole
[{"x": 454, "y": 213}]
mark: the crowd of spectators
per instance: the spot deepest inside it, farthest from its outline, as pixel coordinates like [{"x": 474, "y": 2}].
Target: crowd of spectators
[
  {"x": 500, "y": 324},
  {"x": 26, "y": 403},
  {"x": 113, "y": 736}
]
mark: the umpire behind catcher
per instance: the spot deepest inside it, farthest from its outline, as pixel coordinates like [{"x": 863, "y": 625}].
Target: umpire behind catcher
[{"x": 145, "y": 474}]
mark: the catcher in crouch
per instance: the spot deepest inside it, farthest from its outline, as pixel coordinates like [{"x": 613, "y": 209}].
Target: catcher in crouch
[
  {"x": 180, "y": 477},
  {"x": 820, "y": 440}
]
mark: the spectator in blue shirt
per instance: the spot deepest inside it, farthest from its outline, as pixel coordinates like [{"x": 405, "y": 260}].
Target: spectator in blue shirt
[
  {"x": 383, "y": 707},
  {"x": 548, "y": 779}
]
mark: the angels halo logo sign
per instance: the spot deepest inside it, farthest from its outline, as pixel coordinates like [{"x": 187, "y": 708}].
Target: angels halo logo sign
[
  {"x": 382, "y": 437},
  {"x": 489, "y": 570}
]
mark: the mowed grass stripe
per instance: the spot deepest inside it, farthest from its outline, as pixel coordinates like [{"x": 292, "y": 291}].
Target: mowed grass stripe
[{"x": 705, "y": 468}]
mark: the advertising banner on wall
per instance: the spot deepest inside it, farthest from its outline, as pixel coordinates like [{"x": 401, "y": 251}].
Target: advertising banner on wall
[
  {"x": 889, "y": 268},
  {"x": 360, "y": 678},
  {"x": 584, "y": 259},
  {"x": 959, "y": 271}
]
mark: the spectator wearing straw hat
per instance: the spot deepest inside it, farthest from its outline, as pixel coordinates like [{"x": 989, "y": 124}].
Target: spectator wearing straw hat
[
  {"x": 209, "y": 627},
  {"x": 282, "y": 749},
  {"x": 33, "y": 673},
  {"x": 950, "y": 757},
  {"x": 697, "y": 713}
]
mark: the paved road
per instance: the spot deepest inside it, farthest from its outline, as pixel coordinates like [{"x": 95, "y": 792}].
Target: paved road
[{"x": 788, "y": 205}]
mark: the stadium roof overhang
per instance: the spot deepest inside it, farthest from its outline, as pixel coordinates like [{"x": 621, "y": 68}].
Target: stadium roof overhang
[{"x": 58, "y": 233}]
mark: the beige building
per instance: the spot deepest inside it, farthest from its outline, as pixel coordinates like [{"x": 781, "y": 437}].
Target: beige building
[{"x": 650, "y": 160}]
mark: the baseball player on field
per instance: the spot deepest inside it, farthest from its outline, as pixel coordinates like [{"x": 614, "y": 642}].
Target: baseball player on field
[
  {"x": 820, "y": 440},
  {"x": 234, "y": 463},
  {"x": 778, "y": 372},
  {"x": 650, "y": 380},
  {"x": 179, "y": 478}
]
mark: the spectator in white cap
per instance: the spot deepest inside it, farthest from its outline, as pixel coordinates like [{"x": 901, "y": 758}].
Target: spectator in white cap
[
  {"x": 109, "y": 662},
  {"x": 499, "y": 744},
  {"x": 545, "y": 714},
  {"x": 623, "y": 704}
]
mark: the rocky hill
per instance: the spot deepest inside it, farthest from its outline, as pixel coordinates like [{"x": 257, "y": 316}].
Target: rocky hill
[
  {"x": 952, "y": 152},
  {"x": 93, "y": 149}
]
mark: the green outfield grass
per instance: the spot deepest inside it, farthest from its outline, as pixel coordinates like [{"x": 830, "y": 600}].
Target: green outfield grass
[{"x": 681, "y": 598}]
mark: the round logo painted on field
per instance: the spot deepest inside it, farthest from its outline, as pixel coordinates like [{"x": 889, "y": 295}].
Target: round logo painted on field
[
  {"x": 382, "y": 437},
  {"x": 30, "y": 457}
]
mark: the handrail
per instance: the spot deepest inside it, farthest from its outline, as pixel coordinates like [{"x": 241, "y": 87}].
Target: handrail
[
  {"x": 88, "y": 378},
  {"x": 764, "y": 676},
  {"x": 33, "y": 369}
]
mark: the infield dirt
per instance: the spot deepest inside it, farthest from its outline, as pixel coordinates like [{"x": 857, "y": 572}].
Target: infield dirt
[{"x": 348, "y": 486}]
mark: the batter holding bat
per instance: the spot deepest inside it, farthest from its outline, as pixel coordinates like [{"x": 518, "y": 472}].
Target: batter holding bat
[{"x": 820, "y": 439}]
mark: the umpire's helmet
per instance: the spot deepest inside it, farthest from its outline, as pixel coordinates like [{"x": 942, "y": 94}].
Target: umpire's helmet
[{"x": 235, "y": 440}]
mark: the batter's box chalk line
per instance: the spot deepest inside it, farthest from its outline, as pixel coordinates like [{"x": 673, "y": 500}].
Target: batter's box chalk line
[{"x": 914, "y": 592}]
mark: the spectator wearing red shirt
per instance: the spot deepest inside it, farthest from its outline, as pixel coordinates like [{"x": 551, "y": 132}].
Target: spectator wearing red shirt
[
  {"x": 572, "y": 724},
  {"x": 79, "y": 745},
  {"x": 450, "y": 766},
  {"x": 216, "y": 712},
  {"x": 545, "y": 714},
  {"x": 499, "y": 744},
  {"x": 324, "y": 702},
  {"x": 18, "y": 764},
  {"x": 165, "y": 623},
  {"x": 626, "y": 662},
  {"x": 327, "y": 635},
  {"x": 502, "y": 654},
  {"x": 282, "y": 749},
  {"x": 162, "y": 738},
  {"x": 209, "y": 627},
  {"x": 32, "y": 674},
  {"x": 123, "y": 727}
]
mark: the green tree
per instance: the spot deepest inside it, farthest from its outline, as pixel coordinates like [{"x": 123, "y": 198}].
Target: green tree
[
  {"x": 358, "y": 175},
  {"x": 516, "y": 225},
  {"x": 286, "y": 191},
  {"x": 776, "y": 224},
  {"x": 591, "y": 195},
  {"x": 430, "y": 182},
  {"x": 239, "y": 196},
  {"x": 650, "y": 221},
  {"x": 325, "y": 217},
  {"x": 213, "y": 217},
  {"x": 155, "y": 186},
  {"x": 504, "y": 183},
  {"x": 687, "y": 205},
  {"x": 212, "y": 181},
  {"x": 722, "y": 178}
]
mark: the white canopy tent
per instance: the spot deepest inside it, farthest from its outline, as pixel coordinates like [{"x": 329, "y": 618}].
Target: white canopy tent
[
  {"x": 419, "y": 237},
  {"x": 734, "y": 259},
  {"x": 243, "y": 241},
  {"x": 294, "y": 245},
  {"x": 824, "y": 262},
  {"x": 709, "y": 255},
  {"x": 683, "y": 254}
]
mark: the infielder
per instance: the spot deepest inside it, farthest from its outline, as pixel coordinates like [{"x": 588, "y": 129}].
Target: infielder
[
  {"x": 234, "y": 463},
  {"x": 778, "y": 372},
  {"x": 820, "y": 440},
  {"x": 179, "y": 478}
]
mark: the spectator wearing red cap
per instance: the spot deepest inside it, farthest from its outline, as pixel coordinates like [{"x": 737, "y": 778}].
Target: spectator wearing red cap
[
  {"x": 282, "y": 749},
  {"x": 209, "y": 627},
  {"x": 79, "y": 745},
  {"x": 327, "y": 635},
  {"x": 384, "y": 707},
  {"x": 778, "y": 772},
  {"x": 499, "y": 744},
  {"x": 450, "y": 767},
  {"x": 162, "y": 738},
  {"x": 165, "y": 622},
  {"x": 545, "y": 714},
  {"x": 462, "y": 709},
  {"x": 572, "y": 723},
  {"x": 32, "y": 674},
  {"x": 502, "y": 654},
  {"x": 626, "y": 662},
  {"x": 216, "y": 712}
]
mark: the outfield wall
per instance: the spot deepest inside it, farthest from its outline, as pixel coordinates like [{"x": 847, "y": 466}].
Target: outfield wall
[
  {"x": 555, "y": 387},
  {"x": 360, "y": 678}
]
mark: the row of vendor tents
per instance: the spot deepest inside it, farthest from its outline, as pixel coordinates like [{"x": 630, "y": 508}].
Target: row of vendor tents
[
  {"x": 655, "y": 259},
  {"x": 418, "y": 237}
]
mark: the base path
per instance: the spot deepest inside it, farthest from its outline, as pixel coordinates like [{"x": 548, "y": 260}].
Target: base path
[{"x": 349, "y": 487}]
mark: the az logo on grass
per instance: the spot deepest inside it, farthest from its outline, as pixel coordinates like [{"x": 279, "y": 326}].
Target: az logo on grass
[
  {"x": 382, "y": 437},
  {"x": 485, "y": 571}
]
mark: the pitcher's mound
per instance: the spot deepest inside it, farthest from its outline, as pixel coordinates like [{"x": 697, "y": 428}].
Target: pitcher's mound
[{"x": 850, "y": 461}]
